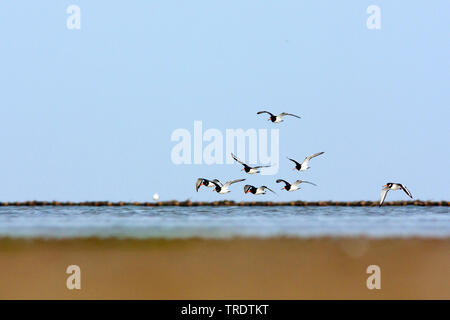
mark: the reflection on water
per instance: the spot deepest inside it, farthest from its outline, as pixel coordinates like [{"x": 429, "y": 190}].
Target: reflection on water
[{"x": 223, "y": 222}]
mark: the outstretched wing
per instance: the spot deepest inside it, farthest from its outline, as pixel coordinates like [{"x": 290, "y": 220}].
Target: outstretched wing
[
  {"x": 296, "y": 163},
  {"x": 264, "y": 187},
  {"x": 406, "y": 191},
  {"x": 236, "y": 159},
  {"x": 281, "y": 180},
  {"x": 312, "y": 156},
  {"x": 303, "y": 181},
  {"x": 258, "y": 167},
  {"x": 271, "y": 114},
  {"x": 288, "y": 114},
  {"x": 383, "y": 195},
  {"x": 198, "y": 183},
  {"x": 229, "y": 183}
]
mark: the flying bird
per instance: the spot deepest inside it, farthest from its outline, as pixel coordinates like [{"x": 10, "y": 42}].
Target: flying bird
[
  {"x": 392, "y": 186},
  {"x": 261, "y": 190},
  {"x": 278, "y": 118},
  {"x": 247, "y": 168},
  {"x": 294, "y": 186},
  {"x": 304, "y": 165},
  {"x": 222, "y": 189},
  {"x": 205, "y": 182}
]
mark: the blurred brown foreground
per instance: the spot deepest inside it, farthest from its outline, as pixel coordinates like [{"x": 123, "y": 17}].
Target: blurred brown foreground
[{"x": 278, "y": 268}]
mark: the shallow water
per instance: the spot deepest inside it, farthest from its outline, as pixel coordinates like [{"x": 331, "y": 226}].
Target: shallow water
[{"x": 223, "y": 222}]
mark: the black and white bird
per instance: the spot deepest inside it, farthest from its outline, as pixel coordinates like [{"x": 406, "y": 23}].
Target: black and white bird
[
  {"x": 304, "y": 165},
  {"x": 205, "y": 182},
  {"x": 294, "y": 186},
  {"x": 392, "y": 186},
  {"x": 222, "y": 189},
  {"x": 278, "y": 118},
  {"x": 247, "y": 168},
  {"x": 252, "y": 189}
]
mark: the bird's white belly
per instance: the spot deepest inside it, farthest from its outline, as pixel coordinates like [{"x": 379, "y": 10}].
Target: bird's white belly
[
  {"x": 253, "y": 171},
  {"x": 395, "y": 187},
  {"x": 293, "y": 188},
  {"x": 258, "y": 191},
  {"x": 224, "y": 191}
]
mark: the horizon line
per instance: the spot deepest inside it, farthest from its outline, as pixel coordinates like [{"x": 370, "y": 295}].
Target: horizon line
[{"x": 188, "y": 203}]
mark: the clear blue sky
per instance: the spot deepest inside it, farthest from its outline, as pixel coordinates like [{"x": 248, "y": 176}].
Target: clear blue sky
[{"x": 87, "y": 114}]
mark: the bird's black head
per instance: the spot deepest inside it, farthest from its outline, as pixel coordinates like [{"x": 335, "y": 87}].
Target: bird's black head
[{"x": 248, "y": 188}]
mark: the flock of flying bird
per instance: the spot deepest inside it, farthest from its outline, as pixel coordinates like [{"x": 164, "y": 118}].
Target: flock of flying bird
[{"x": 223, "y": 188}]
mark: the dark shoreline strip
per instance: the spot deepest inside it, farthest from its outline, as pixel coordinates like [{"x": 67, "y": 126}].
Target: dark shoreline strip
[{"x": 227, "y": 203}]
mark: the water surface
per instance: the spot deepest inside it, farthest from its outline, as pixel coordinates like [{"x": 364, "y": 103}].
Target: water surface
[{"x": 223, "y": 222}]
